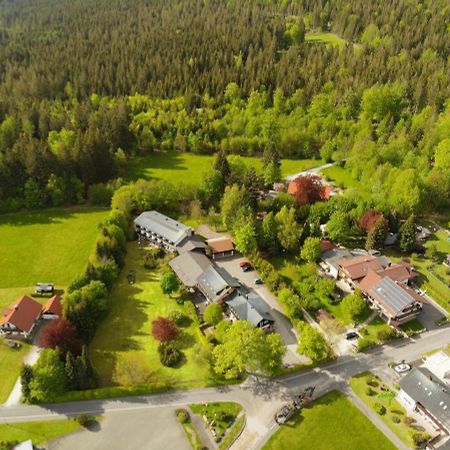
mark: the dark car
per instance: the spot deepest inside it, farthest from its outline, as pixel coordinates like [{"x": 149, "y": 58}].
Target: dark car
[
  {"x": 257, "y": 281},
  {"x": 247, "y": 268},
  {"x": 351, "y": 335}
]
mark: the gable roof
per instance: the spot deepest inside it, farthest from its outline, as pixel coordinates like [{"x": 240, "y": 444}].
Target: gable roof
[
  {"x": 53, "y": 306},
  {"x": 191, "y": 244},
  {"x": 22, "y": 313},
  {"x": 391, "y": 296},
  {"x": 358, "y": 266},
  {"x": 400, "y": 272},
  {"x": 428, "y": 392},
  {"x": 214, "y": 281},
  {"x": 164, "y": 226},
  {"x": 220, "y": 244},
  {"x": 189, "y": 266},
  {"x": 249, "y": 307}
]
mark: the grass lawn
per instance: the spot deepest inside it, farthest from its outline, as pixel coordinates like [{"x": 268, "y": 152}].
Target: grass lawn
[
  {"x": 392, "y": 406},
  {"x": 127, "y": 328},
  {"x": 342, "y": 178},
  {"x": 341, "y": 315},
  {"x": 331, "y": 422},
  {"x": 49, "y": 245},
  {"x": 325, "y": 38},
  {"x": 38, "y": 432},
  {"x": 191, "y": 168},
  {"x": 433, "y": 277},
  {"x": 222, "y": 413},
  {"x": 40, "y": 246},
  {"x": 371, "y": 330},
  {"x": 412, "y": 327}
]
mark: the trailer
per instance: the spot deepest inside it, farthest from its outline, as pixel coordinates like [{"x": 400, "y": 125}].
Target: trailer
[
  {"x": 297, "y": 403},
  {"x": 45, "y": 288}
]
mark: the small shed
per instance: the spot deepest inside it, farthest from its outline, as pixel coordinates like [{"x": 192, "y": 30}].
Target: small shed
[{"x": 221, "y": 247}]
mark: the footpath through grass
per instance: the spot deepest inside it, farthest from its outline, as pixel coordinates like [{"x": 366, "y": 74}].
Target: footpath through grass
[
  {"x": 393, "y": 413},
  {"x": 190, "y": 168},
  {"x": 127, "y": 329},
  {"x": 38, "y": 432},
  {"x": 331, "y": 422}
]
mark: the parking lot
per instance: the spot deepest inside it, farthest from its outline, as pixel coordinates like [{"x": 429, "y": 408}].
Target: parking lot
[{"x": 283, "y": 325}]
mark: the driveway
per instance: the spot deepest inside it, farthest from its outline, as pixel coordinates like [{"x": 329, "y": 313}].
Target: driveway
[
  {"x": 155, "y": 429},
  {"x": 283, "y": 325}
]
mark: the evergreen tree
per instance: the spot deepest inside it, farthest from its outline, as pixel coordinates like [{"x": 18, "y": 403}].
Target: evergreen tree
[
  {"x": 377, "y": 235},
  {"x": 408, "y": 235},
  {"x": 26, "y": 375},
  {"x": 222, "y": 166},
  {"x": 71, "y": 372}
]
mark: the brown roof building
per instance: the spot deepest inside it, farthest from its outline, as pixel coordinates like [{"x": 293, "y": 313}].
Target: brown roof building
[
  {"x": 20, "y": 317},
  {"x": 221, "y": 246},
  {"x": 356, "y": 268},
  {"x": 53, "y": 307}
]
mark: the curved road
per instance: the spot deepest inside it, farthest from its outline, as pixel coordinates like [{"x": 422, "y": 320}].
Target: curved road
[{"x": 261, "y": 397}]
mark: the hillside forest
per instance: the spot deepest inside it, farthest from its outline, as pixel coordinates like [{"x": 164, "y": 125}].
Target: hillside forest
[{"x": 86, "y": 85}]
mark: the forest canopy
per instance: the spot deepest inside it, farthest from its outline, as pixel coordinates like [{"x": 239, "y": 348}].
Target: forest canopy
[{"x": 85, "y": 85}]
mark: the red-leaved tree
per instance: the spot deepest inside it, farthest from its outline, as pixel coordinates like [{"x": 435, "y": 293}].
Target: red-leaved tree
[
  {"x": 307, "y": 189},
  {"x": 63, "y": 335},
  {"x": 370, "y": 218},
  {"x": 164, "y": 329}
]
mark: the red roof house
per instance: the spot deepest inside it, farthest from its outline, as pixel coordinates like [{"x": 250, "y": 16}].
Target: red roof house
[
  {"x": 20, "y": 317},
  {"x": 53, "y": 308}
]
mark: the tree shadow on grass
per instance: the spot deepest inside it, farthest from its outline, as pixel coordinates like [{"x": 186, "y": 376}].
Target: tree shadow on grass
[
  {"x": 45, "y": 216},
  {"x": 185, "y": 340}
]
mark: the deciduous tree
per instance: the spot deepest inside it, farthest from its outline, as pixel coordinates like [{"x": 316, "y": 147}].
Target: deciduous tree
[
  {"x": 61, "y": 334},
  {"x": 164, "y": 329}
]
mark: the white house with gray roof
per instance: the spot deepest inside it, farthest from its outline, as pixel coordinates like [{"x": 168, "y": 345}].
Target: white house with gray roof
[{"x": 161, "y": 230}]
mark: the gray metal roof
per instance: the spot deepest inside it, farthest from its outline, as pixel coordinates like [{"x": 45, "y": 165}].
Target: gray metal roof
[
  {"x": 392, "y": 295},
  {"x": 214, "y": 281},
  {"x": 331, "y": 257},
  {"x": 191, "y": 243},
  {"x": 189, "y": 266},
  {"x": 164, "y": 226},
  {"x": 249, "y": 307},
  {"x": 428, "y": 392}
]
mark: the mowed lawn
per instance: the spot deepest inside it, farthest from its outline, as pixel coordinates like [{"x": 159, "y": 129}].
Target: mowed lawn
[
  {"x": 189, "y": 168},
  {"x": 127, "y": 328},
  {"x": 38, "y": 432},
  {"x": 331, "y": 422},
  {"x": 50, "y": 245},
  {"x": 342, "y": 178}
]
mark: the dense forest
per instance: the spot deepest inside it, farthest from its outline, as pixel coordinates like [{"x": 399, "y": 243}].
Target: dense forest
[{"x": 85, "y": 85}]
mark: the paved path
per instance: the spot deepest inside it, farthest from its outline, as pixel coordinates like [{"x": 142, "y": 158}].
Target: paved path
[
  {"x": 261, "y": 397},
  {"x": 314, "y": 170}
]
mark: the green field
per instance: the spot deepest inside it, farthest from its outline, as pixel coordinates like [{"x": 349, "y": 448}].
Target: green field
[
  {"x": 393, "y": 407},
  {"x": 331, "y": 422},
  {"x": 128, "y": 329},
  {"x": 190, "y": 168},
  {"x": 325, "y": 38},
  {"x": 38, "y": 432},
  {"x": 342, "y": 178},
  {"x": 50, "y": 245}
]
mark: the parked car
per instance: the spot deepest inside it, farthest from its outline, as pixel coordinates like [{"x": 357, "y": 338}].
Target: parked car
[
  {"x": 257, "y": 280},
  {"x": 402, "y": 368},
  {"x": 351, "y": 335},
  {"x": 244, "y": 264},
  {"x": 45, "y": 288},
  {"x": 247, "y": 268}
]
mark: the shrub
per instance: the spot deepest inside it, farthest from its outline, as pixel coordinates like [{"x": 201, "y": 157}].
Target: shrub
[
  {"x": 169, "y": 354},
  {"x": 177, "y": 317},
  {"x": 379, "y": 409},
  {"x": 408, "y": 420},
  {"x": 365, "y": 343},
  {"x": 370, "y": 392},
  {"x": 372, "y": 382},
  {"x": 164, "y": 329},
  {"x": 183, "y": 415},
  {"x": 386, "y": 335},
  {"x": 396, "y": 419},
  {"x": 213, "y": 314},
  {"x": 85, "y": 420},
  {"x": 420, "y": 439}
]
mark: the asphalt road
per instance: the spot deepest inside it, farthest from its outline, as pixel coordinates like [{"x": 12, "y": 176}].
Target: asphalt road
[{"x": 261, "y": 397}]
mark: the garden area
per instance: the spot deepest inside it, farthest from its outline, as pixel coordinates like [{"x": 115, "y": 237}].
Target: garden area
[
  {"x": 125, "y": 338},
  {"x": 36, "y": 246},
  {"x": 342, "y": 178},
  {"x": 375, "y": 333},
  {"x": 330, "y": 422},
  {"x": 191, "y": 168},
  {"x": 379, "y": 397},
  {"x": 219, "y": 417},
  {"x": 39, "y": 432}
]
